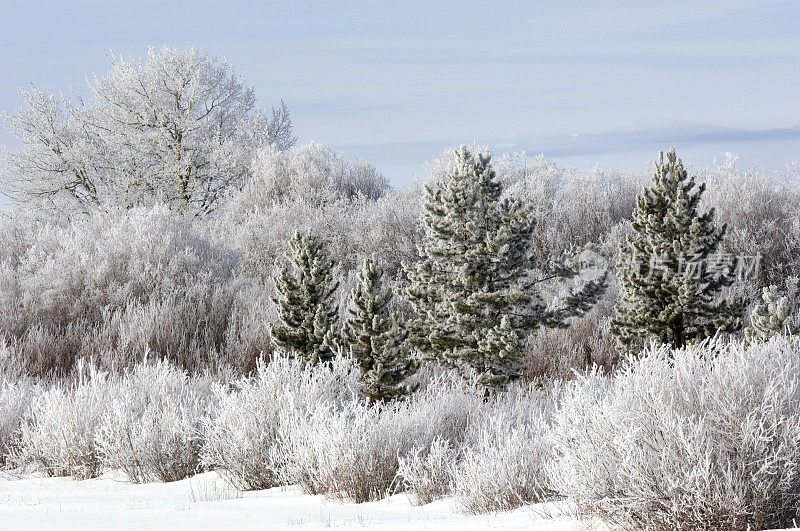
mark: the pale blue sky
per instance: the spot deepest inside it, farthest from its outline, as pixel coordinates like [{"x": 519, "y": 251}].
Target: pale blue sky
[{"x": 396, "y": 82}]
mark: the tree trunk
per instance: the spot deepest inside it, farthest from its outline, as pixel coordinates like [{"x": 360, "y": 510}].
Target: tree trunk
[{"x": 678, "y": 332}]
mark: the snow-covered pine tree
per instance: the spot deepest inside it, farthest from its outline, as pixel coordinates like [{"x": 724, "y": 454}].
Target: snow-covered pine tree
[
  {"x": 769, "y": 320},
  {"x": 668, "y": 286},
  {"x": 374, "y": 339},
  {"x": 473, "y": 288},
  {"x": 308, "y": 317}
]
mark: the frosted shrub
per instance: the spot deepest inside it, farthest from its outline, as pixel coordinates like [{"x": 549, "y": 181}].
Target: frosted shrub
[
  {"x": 46, "y": 350},
  {"x": 504, "y": 468},
  {"x": 494, "y": 460},
  {"x": 353, "y": 451},
  {"x": 588, "y": 206},
  {"x": 108, "y": 284},
  {"x": 186, "y": 328},
  {"x": 313, "y": 173},
  {"x": 15, "y": 401},
  {"x": 151, "y": 429},
  {"x": 240, "y": 436},
  {"x": 759, "y": 209},
  {"x": 107, "y": 259},
  {"x": 443, "y": 410},
  {"x": 501, "y": 463},
  {"x": 426, "y": 473},
  {"x": 59, "y": 436},
  {"x": 348, "y": 454},
  {"x": 244, "y": 434},
  {"x": 351, "y": 230},
  {"x": 557, "y": 353},
  {"x": 246, "y": 337},
  {"x": 691, "y": 439}
]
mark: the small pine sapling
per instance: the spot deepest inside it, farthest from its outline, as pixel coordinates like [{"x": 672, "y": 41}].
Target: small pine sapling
[
  {"x": 373, "y": 337},
  {"x": 307, "y": 313}
]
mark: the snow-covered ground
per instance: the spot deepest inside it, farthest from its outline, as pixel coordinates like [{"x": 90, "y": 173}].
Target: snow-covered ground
[{"x": 206, "y": 502}]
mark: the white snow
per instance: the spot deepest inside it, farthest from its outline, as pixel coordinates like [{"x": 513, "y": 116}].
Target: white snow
[{"x": 206, "y": 502}]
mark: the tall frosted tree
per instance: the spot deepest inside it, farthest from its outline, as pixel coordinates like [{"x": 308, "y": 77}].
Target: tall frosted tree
[
  {"x": 474, "y": 287},
  {"x": 374, "y": 338},
  {"x": 670, "y": 272},
  {"x": 180, "y": 127},
  {"x": 307, "y": 313}
]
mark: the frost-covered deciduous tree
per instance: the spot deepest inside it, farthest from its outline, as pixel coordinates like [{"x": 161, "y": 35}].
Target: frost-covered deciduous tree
[
  {"x": 472, "y": 288},
  {"x": 669, "y": 272},
  {"x": 307, "y": 313},
  {"x": 374, "y": 338},
  {"x": 312, "y": 173},
  {"x": 760, "y": 210},
  {"x": 180, "y": 127}
]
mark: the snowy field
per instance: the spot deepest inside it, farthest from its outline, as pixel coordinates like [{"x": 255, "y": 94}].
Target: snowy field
[{"x": 206, "y": 502}]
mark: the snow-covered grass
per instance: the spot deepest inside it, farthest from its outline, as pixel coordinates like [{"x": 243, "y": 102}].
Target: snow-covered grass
[{"x": 205, "y": 501}]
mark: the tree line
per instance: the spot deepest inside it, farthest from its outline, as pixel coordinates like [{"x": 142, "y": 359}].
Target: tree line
[
  {"x": 474, "y": 287},
  {"x": 183, "y": 129}
]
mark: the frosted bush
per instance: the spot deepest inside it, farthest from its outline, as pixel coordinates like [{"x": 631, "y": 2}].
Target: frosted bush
[
  {"x": 46, "y": 350},
  {"x": 351, "y": 230},
  {"x": 151, "y": 428},
  {"x": 245, "y": 433},
  {"x": 348, "y": 454},
  {"x": 426, "y": 472},
  {"x": 188, "y": 329},
  {"x": 59, "y": 435},
  {"x": 110, "y": 258},
  {"x": 502, "y": 461},
  {"x": 589, "y": 204},
  {"x": 443, "y": 409},
  {"x": 351, "y": 451},
  {"x": 759, "y": 210},
  {"x": 246, "y": 338},
  {"x": 504, "y": 468},
  {"x": 15, "y": 401},
  {"x": 115, "y": 281},
  {"x": 557, "y": 353},
  {"x": 495, "y": 460},
  {"x": 694, "y": 439},
  {"x": 241, "y": 434},
  {"x": 313, "y": 173}
]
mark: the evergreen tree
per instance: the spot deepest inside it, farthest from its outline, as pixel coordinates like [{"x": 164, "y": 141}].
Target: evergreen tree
[
  {"x": 307, "y": 314},
  {"x": 769, "y": 320},
  {"x": 473, "y": 288},
  {"x": 374, "y": 339},
  {"x": 669, "y": 274}
]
